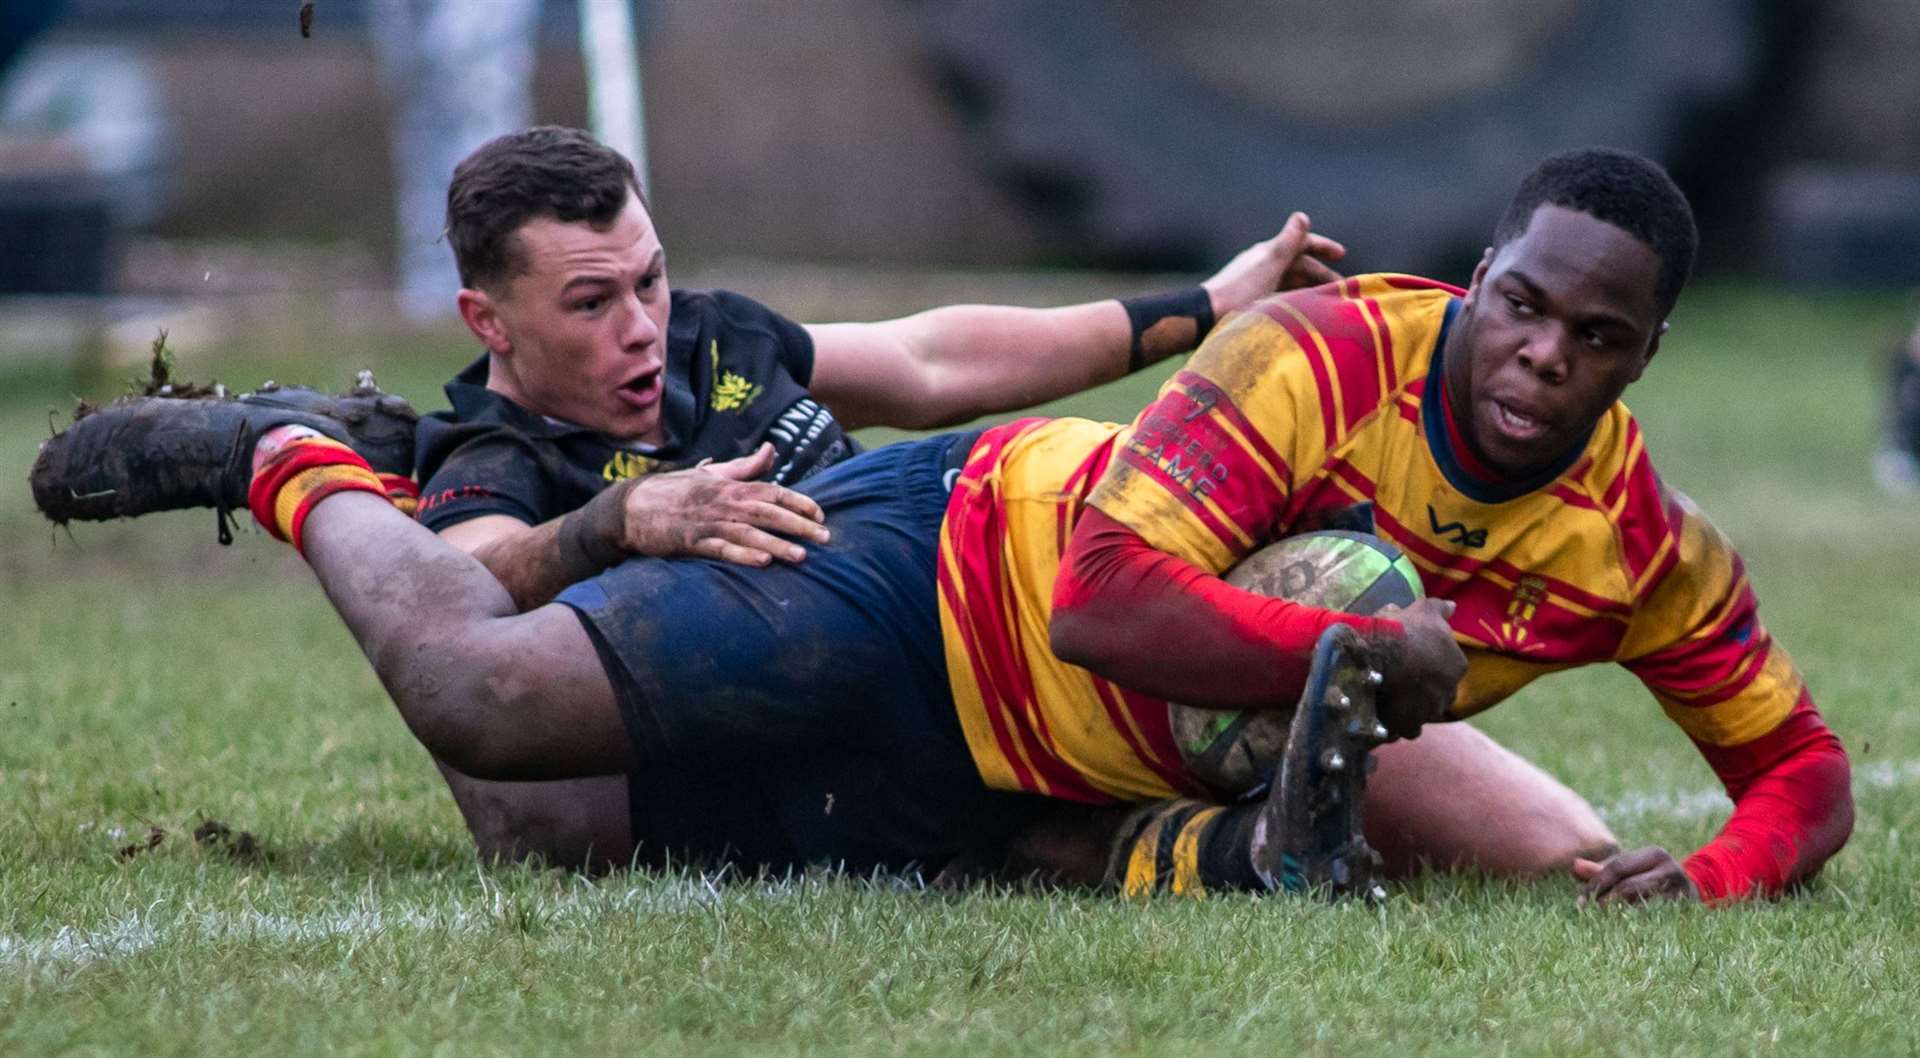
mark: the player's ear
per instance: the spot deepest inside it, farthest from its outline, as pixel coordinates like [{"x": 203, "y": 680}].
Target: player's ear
[
  {"x": 1479, "y": 273},
  {"x": 1653, "y": 347},
  {"x": 482, "y": 317}
]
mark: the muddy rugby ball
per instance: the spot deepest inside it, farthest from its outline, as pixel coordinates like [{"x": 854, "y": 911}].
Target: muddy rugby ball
[{"x": 1234, "y": 754}]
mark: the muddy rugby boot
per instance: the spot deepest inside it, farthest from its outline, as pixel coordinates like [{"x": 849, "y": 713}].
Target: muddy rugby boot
[
  {"x": 194, "y": 448},
  {"x": 1308, "y": 838}
]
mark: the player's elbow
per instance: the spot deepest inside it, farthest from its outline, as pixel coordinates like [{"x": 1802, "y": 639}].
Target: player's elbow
[
  {"x": 1825, "y": 789},
  {"x": 1078, "y": 636},
  {"x": 932, "y": 396},
  {"x": 1840, "y": 814}
]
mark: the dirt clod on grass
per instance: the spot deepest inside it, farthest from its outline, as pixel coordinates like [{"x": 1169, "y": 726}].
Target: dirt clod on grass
[
  {"x": 155, "y": 836},
  {"x": 240, "y": 844}
]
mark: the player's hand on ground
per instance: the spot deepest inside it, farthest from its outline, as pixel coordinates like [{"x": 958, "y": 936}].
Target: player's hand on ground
[
  {"x": 1635, "y": 877},
  {"x": 718, "y": 510},
  {"x": 1423, "y": 669},
  {"x": 1295, "y": 257}
]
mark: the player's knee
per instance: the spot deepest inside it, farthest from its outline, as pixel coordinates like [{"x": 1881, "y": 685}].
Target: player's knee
[{"x": 509, "y": 834}]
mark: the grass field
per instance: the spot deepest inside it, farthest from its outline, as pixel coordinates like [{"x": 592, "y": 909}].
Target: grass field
[{"x": 152, "y": 682}]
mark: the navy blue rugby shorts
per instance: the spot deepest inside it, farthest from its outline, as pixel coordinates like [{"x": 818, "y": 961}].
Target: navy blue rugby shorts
[{"x": 801, "y": 714}]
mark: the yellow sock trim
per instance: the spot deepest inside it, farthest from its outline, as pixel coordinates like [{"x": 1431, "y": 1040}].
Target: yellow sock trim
[
  {"x": 1186, "y": 855},
  {"x": 298, "y": 488},
  {"x": 1143, "y": 860},
  {"x": 1158, "y": 860}
]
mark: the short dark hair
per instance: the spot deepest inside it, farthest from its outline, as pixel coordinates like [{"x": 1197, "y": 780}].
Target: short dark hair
[
  {"x": 544, "y": 171},
  {"x": 1624, "y": 190}
]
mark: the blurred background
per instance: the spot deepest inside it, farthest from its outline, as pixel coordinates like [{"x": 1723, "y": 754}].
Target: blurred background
[{"x": 195, "y": 164}]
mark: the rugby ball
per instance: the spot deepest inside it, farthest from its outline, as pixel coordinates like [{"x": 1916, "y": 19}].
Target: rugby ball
[{"x": 1233, "y": 754}]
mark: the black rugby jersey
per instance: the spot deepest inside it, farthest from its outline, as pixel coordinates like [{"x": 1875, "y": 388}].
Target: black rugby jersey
[{"x": 736, "y": 375}]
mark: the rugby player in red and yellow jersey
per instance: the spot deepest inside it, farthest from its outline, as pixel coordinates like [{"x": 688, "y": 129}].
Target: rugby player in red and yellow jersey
[
  {"x": 1000, "y": 619},
  {"x": 1485, "y": 429}
]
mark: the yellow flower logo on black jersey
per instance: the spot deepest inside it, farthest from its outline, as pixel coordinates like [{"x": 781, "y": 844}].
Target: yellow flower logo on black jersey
[
  {"x": 626, "y": 465},
  {"x": 731, "y": 391}
]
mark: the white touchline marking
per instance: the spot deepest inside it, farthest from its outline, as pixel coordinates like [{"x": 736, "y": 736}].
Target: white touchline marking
[
  {"x": 1696, "y": 804},
  {"x": 476, "y": 912},
  {"x": 70, "y": 945},
  {"x": 589, "y": 903}
]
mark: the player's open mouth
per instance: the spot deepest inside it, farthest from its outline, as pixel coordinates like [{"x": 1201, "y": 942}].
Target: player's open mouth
[
  {"x": 1517, "y": 425},
  {"x": 641, "y": 392}
]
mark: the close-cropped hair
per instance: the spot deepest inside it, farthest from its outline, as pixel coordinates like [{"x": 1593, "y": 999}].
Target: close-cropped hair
[
  {"x": 547, "y": 171},
  {"x": 1620, "y": 188}
]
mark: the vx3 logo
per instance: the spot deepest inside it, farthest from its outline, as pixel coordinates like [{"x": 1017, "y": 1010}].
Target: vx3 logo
[{"x": 1457, "y": 532}]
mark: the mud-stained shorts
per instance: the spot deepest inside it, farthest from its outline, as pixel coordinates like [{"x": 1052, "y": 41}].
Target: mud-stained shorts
[{"x": 801, "y": 713}]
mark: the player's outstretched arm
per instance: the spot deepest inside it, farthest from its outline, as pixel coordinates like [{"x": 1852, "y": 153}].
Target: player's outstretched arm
[
  {"x": 952, "y": 364},
  {"x": 1793, "y": 809},
  {"x": 713, "y": 511},
  {"x": 1792, "y": 791}
]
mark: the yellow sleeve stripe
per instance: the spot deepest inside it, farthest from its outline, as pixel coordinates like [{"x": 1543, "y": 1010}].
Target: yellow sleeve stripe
[
  {"x": 1248, "y": 449},
  {"x": 1240, "y": 535},
  {"x": 1144, "y": 505},
  {"x": 1654, "y": 565},
  {"x": 1740, "y": 674},
  {"x": 1752, "y": 713}
]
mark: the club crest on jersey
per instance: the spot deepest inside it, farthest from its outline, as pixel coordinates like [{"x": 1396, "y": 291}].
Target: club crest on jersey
[
  {"x": 1513, "y": 635},
  {"x": 1456, "y": 533},
  {"x": 731, "y": 390}
]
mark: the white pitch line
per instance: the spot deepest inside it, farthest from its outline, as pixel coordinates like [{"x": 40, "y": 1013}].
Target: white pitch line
[
  {"x": 1699, "y": 804},
  {"x": 135, "y": 933},
  {"x": 72, "y": 945}
]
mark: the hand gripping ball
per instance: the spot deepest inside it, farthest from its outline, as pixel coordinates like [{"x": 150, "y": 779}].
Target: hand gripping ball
[{"x": 1234, "y": 753}]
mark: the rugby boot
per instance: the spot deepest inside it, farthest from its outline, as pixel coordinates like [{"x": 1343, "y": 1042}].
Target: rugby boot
[
  {"x": 159, "y": 453},
  {"x": 1308, "y": 837},
  {"x": 379, "y": 424}
]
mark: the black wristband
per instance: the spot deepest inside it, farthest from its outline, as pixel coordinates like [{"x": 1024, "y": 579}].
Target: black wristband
[
  {"x": 1194, "y": 303},
  {"x": 589, "y": 535}
]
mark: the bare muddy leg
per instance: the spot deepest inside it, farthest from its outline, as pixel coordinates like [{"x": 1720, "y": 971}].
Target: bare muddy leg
[
  {"x": 583, "y": 824},
  {"x": 494, "y": 694}
]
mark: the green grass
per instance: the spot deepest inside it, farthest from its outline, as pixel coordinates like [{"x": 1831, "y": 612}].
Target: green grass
[{"x": 149, "y": 678}]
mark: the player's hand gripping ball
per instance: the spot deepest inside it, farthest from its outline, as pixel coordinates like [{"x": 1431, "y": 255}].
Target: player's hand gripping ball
[{"x": 1235, "y": 753}]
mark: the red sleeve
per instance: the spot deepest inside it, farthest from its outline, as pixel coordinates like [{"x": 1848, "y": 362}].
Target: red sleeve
[
  {"x": 1792, "y": 809},
  {"x": 1165, "y": 627}
]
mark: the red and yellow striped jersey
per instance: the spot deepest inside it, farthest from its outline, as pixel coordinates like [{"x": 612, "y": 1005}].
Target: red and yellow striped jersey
[{"x": 1306, "y": 403}]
